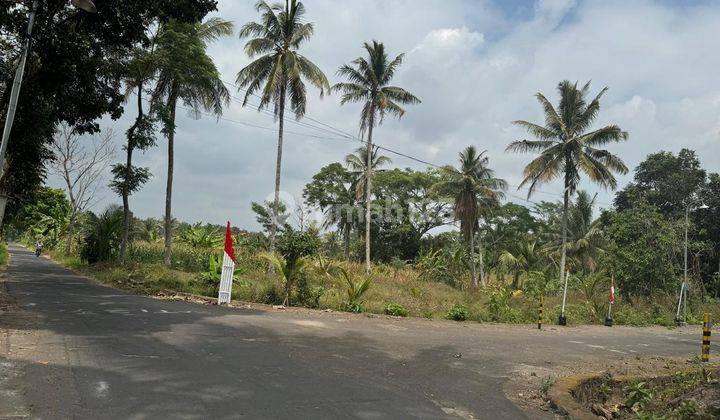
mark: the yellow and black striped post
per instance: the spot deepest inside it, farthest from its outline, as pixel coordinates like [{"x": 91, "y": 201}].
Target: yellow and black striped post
[
  {"x": 705, "y": 355},
  {"x": 540, "y": 313}
]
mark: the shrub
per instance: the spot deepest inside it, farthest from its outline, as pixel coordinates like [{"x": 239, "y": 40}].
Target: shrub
[
  {"x": 637, "y": 395},
  {"x": 271, "y": 295},
  {"x": 294, "y": 244},
  {"x": 289, "y": 271},
  {"x": 307, "y": 295},
  {"x": 183, "y": 257},
  {"x": 444, "y": 265},
  {"x": 211, "y": 278},
  {"x": 3, "y": 254},
  {"x": 499, "y": 304},
  {"x": 457, "y": 313},
  {"x": 355, "y": 291},
  {"x": 395, "y": 309},
  {"x": 201, "y": 236},
  {"x": 102, "y": 235}
]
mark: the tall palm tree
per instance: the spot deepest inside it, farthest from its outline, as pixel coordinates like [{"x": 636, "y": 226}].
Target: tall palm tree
[
  {"x": 279, "y": 69},
  {"x": 357, "y": 163},
  {"x": 186, "y": 74},
  {"x": 368, "y": 83},
  {"x": 567, "y": 148},
  {"x": 475, "y": 189},
  {"x": 128, "y": 178}
]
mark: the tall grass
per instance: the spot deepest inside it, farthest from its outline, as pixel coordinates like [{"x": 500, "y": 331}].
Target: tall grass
[{"x": 144, "y": 272}]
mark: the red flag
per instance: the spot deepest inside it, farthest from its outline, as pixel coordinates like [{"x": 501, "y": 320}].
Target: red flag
[
  {"x": 612, "y": 291},
  {"x": 228, "y": 243}
]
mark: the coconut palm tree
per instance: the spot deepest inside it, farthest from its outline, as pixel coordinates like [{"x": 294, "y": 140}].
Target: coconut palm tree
[
  {"x": 474, "y": 189},
  {"x": 357, "y": 164},
  {"x": 525, "y": 258},
  {"x": 368, "y": 83},
  {"x": 279, "y": 70},
  {"x": 566, "y": 147},
  {"x": 342, "y": 214},
  {"x": 187, "y": 74},
  {"x": 585, "y": 236}
]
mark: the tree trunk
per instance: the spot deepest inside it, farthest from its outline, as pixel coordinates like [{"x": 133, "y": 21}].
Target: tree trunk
[
  {"x": 278, "y": 166},
  {"x": 482, "y": 263},
  {"x": 368, "y": 187},
  {"x": 70, "y": 233},
  {"x": 346, "y": 242},
  {"x": 128, "y": 175},
  {"x": 73, "y": 212},
  {"x": 472, "y": 259},
  {"x": 168, "y": 192},
  {"x": 566, "y": 197},
  {"x": 516, "y": 280}
]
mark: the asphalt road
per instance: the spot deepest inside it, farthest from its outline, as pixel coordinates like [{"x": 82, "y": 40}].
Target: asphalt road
[{"x": 75, "y": 349}]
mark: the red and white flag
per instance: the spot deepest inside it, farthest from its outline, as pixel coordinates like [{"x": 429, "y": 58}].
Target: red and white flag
[
  {"x": 228, "y": 269},
  {"x": 612, "y": 290},
  {"x": 229, "y": 250}
]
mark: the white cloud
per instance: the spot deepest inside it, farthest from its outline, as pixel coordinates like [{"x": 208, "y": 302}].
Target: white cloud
[{"x": 476, "y": 67}]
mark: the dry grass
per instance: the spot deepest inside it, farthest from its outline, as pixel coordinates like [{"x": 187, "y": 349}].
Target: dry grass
[{"x": 421, "y": 298}]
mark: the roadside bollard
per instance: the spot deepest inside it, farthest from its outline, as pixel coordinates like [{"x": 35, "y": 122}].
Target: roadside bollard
[
  {"x": 705, "y": 355},
  {"x": 540, "y": 314}
]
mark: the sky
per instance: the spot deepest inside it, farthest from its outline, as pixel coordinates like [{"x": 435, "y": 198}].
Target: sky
[{"x": 476, "y": 65}]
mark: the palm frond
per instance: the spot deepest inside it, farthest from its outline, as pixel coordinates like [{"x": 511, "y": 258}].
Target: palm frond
[
  {"x": 400, "y": 95},
  {"x": 215, "y": 28},
  {"x": 524, "y": 146},
  {"x": 552, "y": 119},
  {"x": 538, "y": 131}
]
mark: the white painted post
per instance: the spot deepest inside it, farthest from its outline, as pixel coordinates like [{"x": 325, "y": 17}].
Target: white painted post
[
  {"x": 567, "y": 276},
  {"x": 226, "y": 279}
]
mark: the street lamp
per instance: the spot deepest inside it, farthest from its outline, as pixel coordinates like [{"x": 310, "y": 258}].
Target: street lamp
[
  {"x": 86, "y": 5},
  {"x": 682, "y": 300}
]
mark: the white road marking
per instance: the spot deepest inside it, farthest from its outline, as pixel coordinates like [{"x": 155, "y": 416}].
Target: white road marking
[{"x": 141, "y": 356}]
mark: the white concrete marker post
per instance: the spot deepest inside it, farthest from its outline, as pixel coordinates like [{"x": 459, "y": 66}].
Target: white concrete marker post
[
  {"x": 611, "y": 302},
  {"x": 562, "y": 320},
  {"x": 228, "y": 268}
]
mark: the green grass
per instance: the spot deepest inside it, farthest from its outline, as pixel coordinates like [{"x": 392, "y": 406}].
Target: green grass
[{"x": 144, "y": 273}]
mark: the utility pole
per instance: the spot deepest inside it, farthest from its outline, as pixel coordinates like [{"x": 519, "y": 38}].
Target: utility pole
[
  {"x": 14, "y": 95},
  {"x": 86, "y": 5}
]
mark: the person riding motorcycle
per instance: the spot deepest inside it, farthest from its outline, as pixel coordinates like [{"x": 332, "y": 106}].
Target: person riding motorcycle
[{"x": 38, "y": 248}]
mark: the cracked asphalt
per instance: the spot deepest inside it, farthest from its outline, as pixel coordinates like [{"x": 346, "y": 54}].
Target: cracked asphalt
[{"x": 75, "y": 349}]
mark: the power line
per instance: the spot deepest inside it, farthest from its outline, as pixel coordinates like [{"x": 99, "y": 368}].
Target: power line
[
  {"x": 380, "y": 147},
  {"x": 194, "y": 111},
  {"x": 340, "y": 136}
]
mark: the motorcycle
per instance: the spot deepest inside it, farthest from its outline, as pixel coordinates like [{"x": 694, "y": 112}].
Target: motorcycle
[{"x": 38, "y": 251}]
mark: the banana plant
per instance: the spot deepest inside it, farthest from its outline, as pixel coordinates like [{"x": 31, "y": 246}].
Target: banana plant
[{"x": 214, "y": 272}]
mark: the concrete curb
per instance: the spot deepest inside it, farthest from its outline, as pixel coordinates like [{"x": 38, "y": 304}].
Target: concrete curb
[{"x": 561, "y": 397}]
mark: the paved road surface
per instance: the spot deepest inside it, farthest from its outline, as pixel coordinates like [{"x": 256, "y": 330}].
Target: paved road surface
[{"x": 78, "y": 349}]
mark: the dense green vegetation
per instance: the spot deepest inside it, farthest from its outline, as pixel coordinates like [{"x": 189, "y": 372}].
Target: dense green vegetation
[
  {"x": 439, "y": 243},
  {"x": 3, "y": 254}
]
